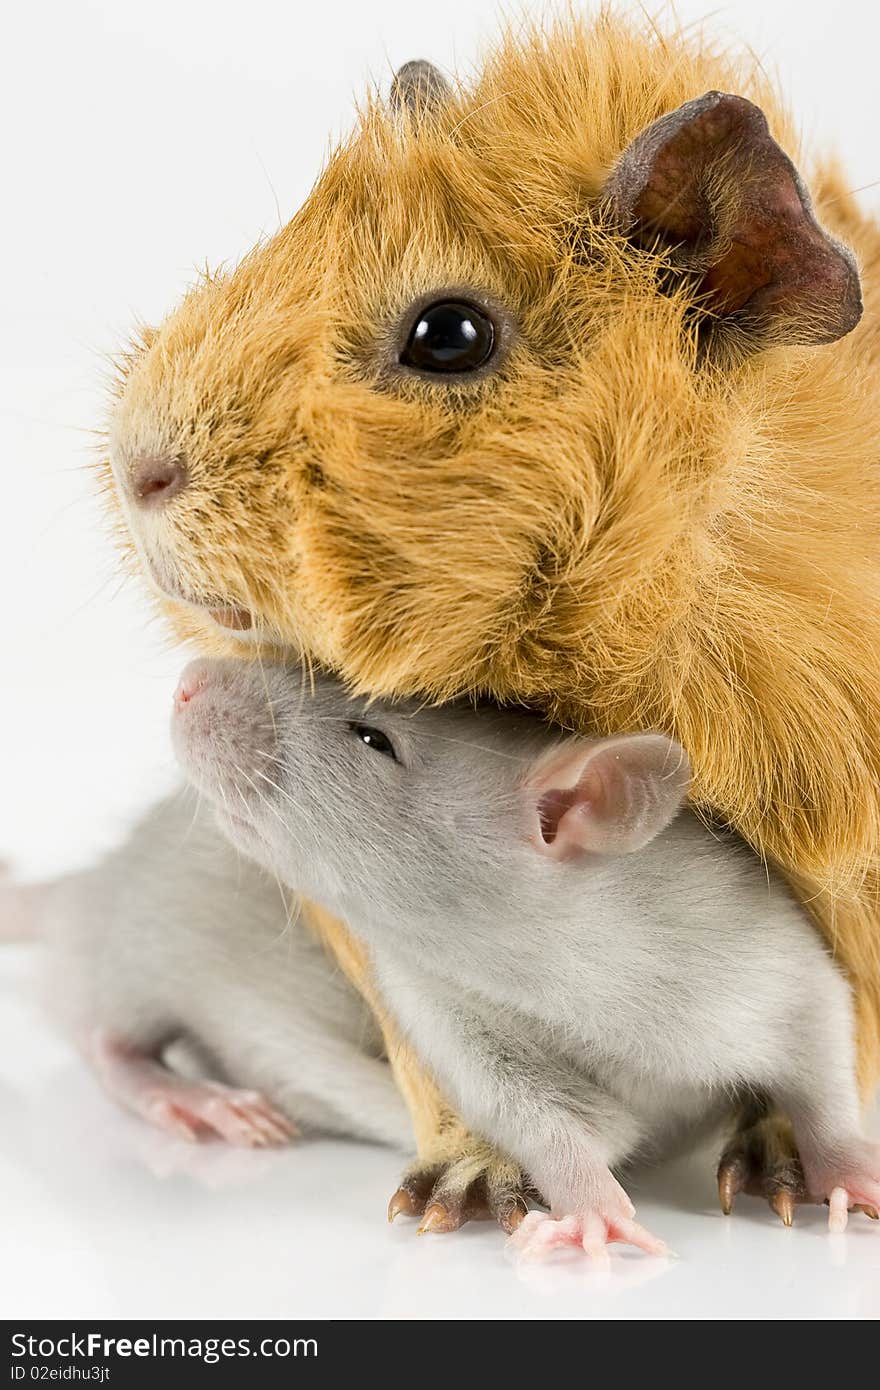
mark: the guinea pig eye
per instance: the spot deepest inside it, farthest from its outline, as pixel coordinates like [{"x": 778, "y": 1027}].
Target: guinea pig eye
[
  {"x": 450, "y": 336},
  {"x": 375, "y": 739}
]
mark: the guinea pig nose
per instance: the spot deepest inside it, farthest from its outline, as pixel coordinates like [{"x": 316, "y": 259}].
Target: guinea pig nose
[{"x": 155, "y": 480}]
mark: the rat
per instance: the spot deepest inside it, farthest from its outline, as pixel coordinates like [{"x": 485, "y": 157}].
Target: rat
[
  {"x": 589, "y": 970},
  {"x": 178, "y": 968},
  {"x": 562, "y": 386}
]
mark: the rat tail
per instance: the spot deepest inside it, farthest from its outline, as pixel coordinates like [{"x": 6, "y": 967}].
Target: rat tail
[{"x": 20, "y": 908}]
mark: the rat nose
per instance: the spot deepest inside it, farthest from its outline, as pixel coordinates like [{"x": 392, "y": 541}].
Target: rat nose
[
  {"x": 194, "y": 679},
  {"x": 155, "y": 480}
]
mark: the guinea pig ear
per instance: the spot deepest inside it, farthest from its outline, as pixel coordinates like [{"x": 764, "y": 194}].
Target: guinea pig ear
[
  {"x": 418, "y": 89},
  {"x": 606, "y": 796},
  {"x": 710, "y": 183}
]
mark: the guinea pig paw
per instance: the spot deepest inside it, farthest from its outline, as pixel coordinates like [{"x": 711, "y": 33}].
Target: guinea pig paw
[
  {"x": 592, "y": 1231},
  {"x": 476, "y": 1183},
  {"x": 762, "y": 1160}
]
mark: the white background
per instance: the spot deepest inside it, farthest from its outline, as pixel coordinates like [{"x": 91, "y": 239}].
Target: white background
[{"x": 139, "y": 141}]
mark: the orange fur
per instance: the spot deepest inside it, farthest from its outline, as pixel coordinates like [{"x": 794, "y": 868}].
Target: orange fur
[{"x": 600, "y": 529}]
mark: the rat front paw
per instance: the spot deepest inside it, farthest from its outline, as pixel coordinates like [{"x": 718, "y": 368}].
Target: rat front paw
[
  {"x": 848, "y": 1181},
  {"x": 591, "y": 1230},
  {"x": 475, "y": 1183}
]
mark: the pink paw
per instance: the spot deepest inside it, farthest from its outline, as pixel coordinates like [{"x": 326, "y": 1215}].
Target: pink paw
[
  {"x": 851, "y": 1182},
  {"x": 244, "y": 1118},
  {"x": 592, "y": 1231},
  {"x": 187, "y": 1109}
]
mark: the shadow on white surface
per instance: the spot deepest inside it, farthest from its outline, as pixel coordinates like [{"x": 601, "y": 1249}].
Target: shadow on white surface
[{"x": 104, "y": 1218}]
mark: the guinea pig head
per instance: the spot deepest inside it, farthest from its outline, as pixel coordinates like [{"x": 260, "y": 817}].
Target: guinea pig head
[{"x": 488, "y": 390}]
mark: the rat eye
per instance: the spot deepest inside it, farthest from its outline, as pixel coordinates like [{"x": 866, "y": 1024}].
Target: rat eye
[
  {"x": 375, "y": 739},
  {"x": 450, "y": 336}
]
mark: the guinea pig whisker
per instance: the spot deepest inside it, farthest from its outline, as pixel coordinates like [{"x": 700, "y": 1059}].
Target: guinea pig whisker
[
  {"x": 269, "y": 703},
  {"x": 306, "y": 675}
]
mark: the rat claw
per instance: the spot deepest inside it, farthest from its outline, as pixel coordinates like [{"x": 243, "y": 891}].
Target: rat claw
[
  {"x": 783, "y": 1204},
  {"x": 437, "y": 1220},
  {"x": 635, "y": 1234},
  {"x": 838, "y": 1208}
]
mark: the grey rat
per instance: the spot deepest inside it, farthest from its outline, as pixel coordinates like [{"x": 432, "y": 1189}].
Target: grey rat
[
  {"x": 177, "y": 968},
  {"x": 590, "y": 972}
]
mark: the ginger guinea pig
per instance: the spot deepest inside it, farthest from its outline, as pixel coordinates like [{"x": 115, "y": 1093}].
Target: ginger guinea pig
[{"x": 556, "y": 390}]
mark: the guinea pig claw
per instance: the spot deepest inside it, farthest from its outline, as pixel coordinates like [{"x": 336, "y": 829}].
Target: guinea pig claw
[
  {"x": 414, "y": 1192},
  {"x": 783, "y": 1204},
  {"x": 403, "y": 1203},
  {"x": 437, "y": 1220},
  {"x": 475, "y": 1183},
  {"x": 762, "y": 1160},
  {"x": 732, "y": 1175},
  {"x": 512, "y": 1218}
]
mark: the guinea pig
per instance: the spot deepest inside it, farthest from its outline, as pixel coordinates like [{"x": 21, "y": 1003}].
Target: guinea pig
[
  {"x": 180, "y": 972},
  {"x": 589, "y": 971},
  {"x": 557, "y": 389}
]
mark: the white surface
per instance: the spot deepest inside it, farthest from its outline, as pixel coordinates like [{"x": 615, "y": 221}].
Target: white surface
[
  {"x": 143, "y": 140},
  {"x": 103, "y": 1217}
]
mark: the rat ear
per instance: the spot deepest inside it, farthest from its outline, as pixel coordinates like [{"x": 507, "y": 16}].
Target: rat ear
[
  {"x": 710, "y": 181},
  {"x": 606, "y": 796},
  {"x": 418, "y": 89}
]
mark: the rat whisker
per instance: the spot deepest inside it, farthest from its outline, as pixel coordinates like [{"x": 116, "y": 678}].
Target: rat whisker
[{"x": 288, "y": 829}]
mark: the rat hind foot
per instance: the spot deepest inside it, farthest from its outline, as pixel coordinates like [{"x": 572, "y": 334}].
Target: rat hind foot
[
  {"x": 187, "y": 1109},
  {"x": 762, "y": 1160},
  {"x": 608, "y": 1220},
  {"x": 476, "y": 1183}
]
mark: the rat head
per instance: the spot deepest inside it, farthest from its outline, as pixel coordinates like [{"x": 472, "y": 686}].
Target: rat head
[
  {"x": 393, "y": 813},
  {"x": 488, "y": 387}
]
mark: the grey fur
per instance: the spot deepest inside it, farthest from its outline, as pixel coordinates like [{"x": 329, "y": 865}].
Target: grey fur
[
  {"x": 175, "y": 938},
  {"x": 578, "y": 1013},
  {"x": 418, "y": 88}
]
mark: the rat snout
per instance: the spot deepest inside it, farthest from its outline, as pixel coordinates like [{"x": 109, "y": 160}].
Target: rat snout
[
  {"x": 154, "y": 480},
  {"x": 223, "y": 729},
  {"x": 194, "y": 678},
  {"x": 216, "y": 695}
]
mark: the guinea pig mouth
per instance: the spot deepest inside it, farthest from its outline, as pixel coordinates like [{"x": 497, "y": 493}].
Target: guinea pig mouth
[
  {"x": 226, "y": 615},
  {"x": 230, "y": 616},
  {"x": 234, "y": 619}
]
